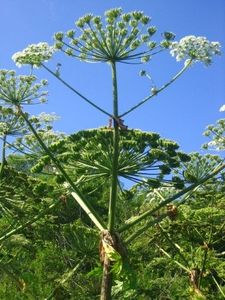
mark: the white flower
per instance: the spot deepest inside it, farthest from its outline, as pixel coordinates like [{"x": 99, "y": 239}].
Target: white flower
[
  {"x": 216, "y": 145},
  {"x": 44, "y": 117},
  {"x": 222, "y": 108},
  {"x": 34, "y": 55},
  {"x": 66, "y": 185},
  {"x": 195, "y": 48},
  {"x": 3, "y": 128}
]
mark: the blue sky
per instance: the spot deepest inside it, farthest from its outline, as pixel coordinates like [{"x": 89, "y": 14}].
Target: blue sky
[{"x": 181, "y": 112}]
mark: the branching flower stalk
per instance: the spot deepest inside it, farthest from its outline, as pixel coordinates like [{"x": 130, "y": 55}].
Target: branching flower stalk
[
  {"x": 18, "y": 88},
  {"x": 123, "y": 38},
  {"x": 14, "y": 126},
  {"x": 156, "y": 91}
]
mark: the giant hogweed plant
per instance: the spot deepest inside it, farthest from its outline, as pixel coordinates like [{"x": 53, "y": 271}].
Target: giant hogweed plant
[{"x": 119, "y": 38}]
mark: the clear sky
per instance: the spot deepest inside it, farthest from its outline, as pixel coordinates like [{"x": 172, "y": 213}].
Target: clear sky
[{"x": 181, "y": 112}]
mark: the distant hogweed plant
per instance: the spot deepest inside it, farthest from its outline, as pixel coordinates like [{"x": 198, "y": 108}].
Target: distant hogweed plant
[{"x": 217, "y": 134}]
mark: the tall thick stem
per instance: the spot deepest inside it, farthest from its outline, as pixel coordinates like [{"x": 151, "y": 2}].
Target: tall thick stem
[
  {"x": 106, "y": 287},
  {"x": 113, "y": 190},
  {"x": 3, "y": 163},
  {"x": 107, "y": 274}
]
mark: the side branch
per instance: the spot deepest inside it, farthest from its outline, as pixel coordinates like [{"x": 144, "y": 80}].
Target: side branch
[
  {"x": 157, "y": 90},
  {"x": 172, "y": 198},
  {"x": 157, "y": 220},
  {"x": 60, "y": 168},
  {"x": 76, "y": 92}
]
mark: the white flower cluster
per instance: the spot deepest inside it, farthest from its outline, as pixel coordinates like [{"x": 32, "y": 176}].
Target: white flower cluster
[
  {"x": 217, "y": 145},
  {"x": 34, "y": 55},
  {"x": 195, "y": 48},
  {"x": 222, "y": 108},
  {"x": 3, "y": 128},
  {"x": 48, "y": 118}
]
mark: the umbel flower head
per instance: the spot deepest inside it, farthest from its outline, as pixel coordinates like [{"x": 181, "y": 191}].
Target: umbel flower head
[
  {"x": 195, "y": 49},
  {"x": 10, "y": 123},
  {"x": 21, "y": 89},
  {"x": 118, "y": 38},
  {"x": 217, "y": 134},
  {"x": 34, "y": 55}
]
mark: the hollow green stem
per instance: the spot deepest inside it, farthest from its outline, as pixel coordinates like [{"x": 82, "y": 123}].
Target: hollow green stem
[
  {"x": 3, "y": 163},
  {"x": 113, "y": 190},
  {"x": 141, "y": 230},
  {"x": 157, "y": 220},
  {"x": 157, "y": 91},
  {"x": 218, "y": 286},
  {"x": 87, "y": 210},
  {"x": 76, "y": 92},
  {"x": 143, "y": 216},
  {"x": 107, "y": 277},
  {"x": 59, "y": 167}
]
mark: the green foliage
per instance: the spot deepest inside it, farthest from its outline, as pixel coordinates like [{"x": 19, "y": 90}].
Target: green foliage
[
  {"x": 36, "y": 261},
  {"x": 41, "y": 258},
  {"x": 143, "y": 157},
  {"x": 192, "y": 239}
]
